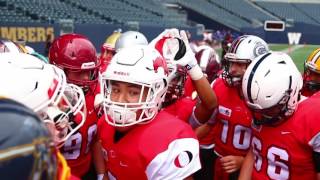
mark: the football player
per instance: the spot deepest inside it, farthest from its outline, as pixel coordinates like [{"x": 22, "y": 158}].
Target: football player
[
  {"x": 12, "y": 47},
  {"x": 286, "y": 132},
  {"x": 311, "y": 75},
  {"x": 231, "y": 132},
  {"x": 76, "y": 56},
  {"x": 108, "y": 50},
  {"x": 210, "y": 65},
  {"x": 27, "y": 150},
  {"x": 43, "y": 88},
  {"x": 181, "y": 97},
  {"x": 138, "y": 141},
  {"x": 130, "y": 38},
  {"x": 175, "y": 48},
  {"x": 209, "y": 62}
]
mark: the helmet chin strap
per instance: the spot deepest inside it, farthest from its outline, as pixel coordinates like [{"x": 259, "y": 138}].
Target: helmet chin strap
[{"x": 120, "y": 115}]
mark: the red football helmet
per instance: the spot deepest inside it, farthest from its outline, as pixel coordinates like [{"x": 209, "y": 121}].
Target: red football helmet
[
  {"x": 178, "y": 76},
  {"x": 76, "y": 55},
  {"x": 209, "y": 62}
]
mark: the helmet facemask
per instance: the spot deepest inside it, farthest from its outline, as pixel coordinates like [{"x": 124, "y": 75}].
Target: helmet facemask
[
  {"x": 106, "y": 54},
  {"x": 272, "y": 115},
  {"x": 122, "y": 114},
  {"x": 311, "y": 77},
  {"x": 233, "y": 80},
  {"x": 65, "y": 112},
  {"x": 85, "y": 78},
  {"x": 66, "y": 116},
  {"x": 177, "y": 78}
]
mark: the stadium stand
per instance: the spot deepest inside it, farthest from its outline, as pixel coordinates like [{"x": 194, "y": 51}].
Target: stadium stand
[
  {"x": 212, "y": 11},
  {"x": 232, "y": 13},
  {"x": 49, "y": 11},
  {"x": 145, "y": 12},
  {"x": 287, "y": 10},
  {"x": 244, "y": 9}
]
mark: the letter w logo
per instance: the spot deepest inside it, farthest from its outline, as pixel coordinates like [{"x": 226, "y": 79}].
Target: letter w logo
[{"x": 294, "y": 37}]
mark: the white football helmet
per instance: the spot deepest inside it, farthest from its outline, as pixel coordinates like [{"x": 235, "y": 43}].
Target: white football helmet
[
  {"x": 130, "y": 38},
  {"x": 139, "y": 65},
  {"x": 12, "y": 47},
  {"x": 244, "y": 49},
  {"x": 271, "y": 87},
  {"x": 43, "y": 88}
]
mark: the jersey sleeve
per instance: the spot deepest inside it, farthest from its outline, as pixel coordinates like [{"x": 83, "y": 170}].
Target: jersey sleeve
[
  {"x": 315, "y": 142},
  {"x": 179, "y": 161},
  {"x": 312, "y": 125}
]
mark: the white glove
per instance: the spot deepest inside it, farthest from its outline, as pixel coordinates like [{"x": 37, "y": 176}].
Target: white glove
[
  {"x": 164, "y": 33},
  {"x": 187, "y": 57}
]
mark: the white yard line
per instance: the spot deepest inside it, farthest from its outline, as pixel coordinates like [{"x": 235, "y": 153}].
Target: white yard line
[{"x": 292, "y": 48}]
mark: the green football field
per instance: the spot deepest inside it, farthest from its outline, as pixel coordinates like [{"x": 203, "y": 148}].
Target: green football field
[{"x": 298, "y": 53}]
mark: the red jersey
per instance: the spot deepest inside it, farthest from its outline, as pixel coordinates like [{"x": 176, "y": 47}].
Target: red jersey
[
  {"x": 182, "y": 108},
  {"x": 189, "y": 88},
  {"x": 77, "y": 149},
  {"x": 285, "y": 151},
  {"x": 164, "y": 148},
  {"x": 233, "y": 121}
]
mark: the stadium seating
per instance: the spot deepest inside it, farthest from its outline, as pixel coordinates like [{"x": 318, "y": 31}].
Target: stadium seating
[
  {"x": 243, "y": 9},
  {"x": 214, "y": 12},
  {"x": 232, "y": 13},
  {"x": 310, "y": 9},
  {"x": 288, "y": 11},
  {"x": 145, "y": 12}
]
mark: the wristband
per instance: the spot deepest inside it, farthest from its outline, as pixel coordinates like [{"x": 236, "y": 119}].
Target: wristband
[
  {"x": 193, "y": 121},
  {"x": 213, "y": 116},
  {"x": 195, "y": 72}
]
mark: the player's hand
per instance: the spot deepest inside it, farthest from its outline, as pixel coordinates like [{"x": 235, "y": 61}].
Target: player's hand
[
  {"x": 231, "y": 163},
  {"x": 162, "y": 35},
  {"x": 185, "y": 56}
]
